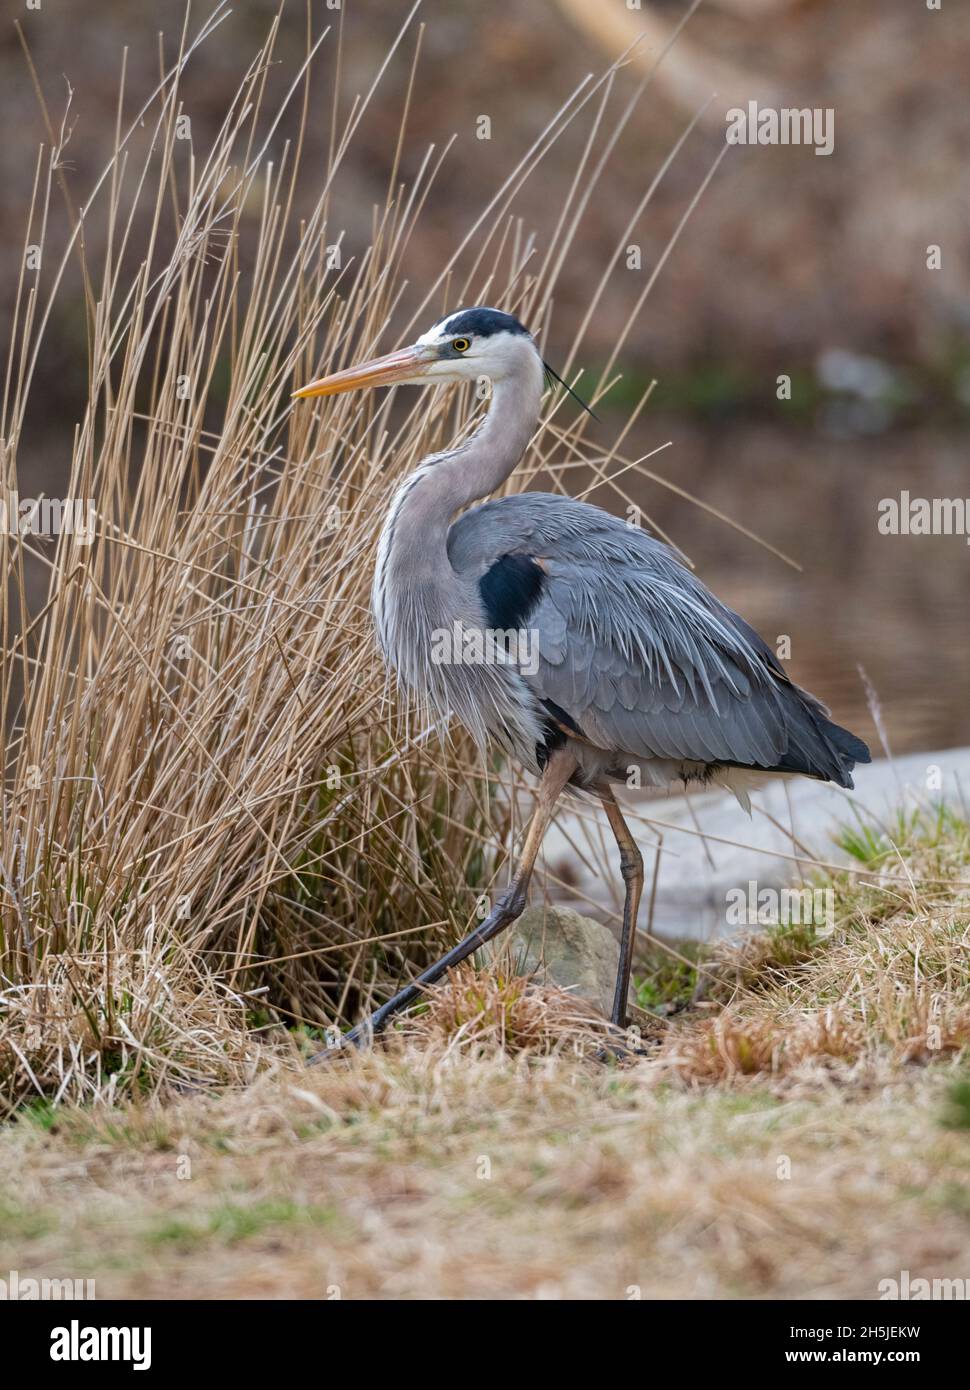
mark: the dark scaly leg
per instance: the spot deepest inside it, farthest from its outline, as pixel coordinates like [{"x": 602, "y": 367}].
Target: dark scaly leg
[
  {"x": 631, "y": 867},
  {"x": 508, "y": 907}
]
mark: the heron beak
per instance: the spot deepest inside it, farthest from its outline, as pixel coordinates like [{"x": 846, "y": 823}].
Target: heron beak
[{"x": 403, "y": 365}]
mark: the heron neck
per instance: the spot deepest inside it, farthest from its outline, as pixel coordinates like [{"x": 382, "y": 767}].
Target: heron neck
[{"x": 447, "y": 483}]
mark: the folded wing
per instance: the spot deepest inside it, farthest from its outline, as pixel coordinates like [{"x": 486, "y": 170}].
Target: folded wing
[{"x": 634, "y": 650}]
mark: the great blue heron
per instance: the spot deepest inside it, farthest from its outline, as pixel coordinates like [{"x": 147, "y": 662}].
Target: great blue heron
[{"x": 595, "y": 652}]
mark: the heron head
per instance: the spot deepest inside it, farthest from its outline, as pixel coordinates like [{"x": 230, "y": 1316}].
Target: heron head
[{"x": 468, "y": 345}]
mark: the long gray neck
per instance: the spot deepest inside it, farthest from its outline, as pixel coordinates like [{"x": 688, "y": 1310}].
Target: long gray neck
[
  {"x": 417, "y": 594},
  {"x": 416, "y": 533}
]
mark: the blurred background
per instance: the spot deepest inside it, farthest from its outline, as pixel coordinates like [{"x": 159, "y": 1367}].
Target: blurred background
[{"x": 812, "y": 267}]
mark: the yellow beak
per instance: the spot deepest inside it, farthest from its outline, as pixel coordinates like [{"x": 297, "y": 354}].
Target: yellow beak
[{"x": 402, "y": 365}]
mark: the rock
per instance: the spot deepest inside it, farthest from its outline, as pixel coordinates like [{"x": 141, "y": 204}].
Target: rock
[{"x": 566, "y": 949}]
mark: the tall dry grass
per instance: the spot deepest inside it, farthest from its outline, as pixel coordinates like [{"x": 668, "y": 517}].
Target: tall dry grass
[{"x": 216, "y": 819}]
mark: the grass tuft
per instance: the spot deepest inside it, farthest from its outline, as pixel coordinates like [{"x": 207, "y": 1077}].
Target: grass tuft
[{"x": 886, "y": 983}]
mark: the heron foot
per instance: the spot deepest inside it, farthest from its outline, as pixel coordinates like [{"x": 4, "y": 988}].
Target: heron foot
[
  {"x": 619, "y": 1048},
  {"x": 356, "y": 1040},
  {"x": 613, "y": 1052}
]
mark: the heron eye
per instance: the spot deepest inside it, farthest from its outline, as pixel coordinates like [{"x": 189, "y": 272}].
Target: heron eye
[{"x": 460, "y": 344}]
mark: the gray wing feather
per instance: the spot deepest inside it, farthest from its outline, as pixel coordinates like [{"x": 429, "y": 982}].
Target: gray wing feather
[{"x": 638, "y": 652}]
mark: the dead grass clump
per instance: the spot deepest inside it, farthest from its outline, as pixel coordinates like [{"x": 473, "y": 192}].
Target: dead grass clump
[
  {"x": 78, "y": 1032},
  {"x": 881, "y": 985},
  {"x": 757, "y": 960},
  {"x": 494, "y": 1010}
]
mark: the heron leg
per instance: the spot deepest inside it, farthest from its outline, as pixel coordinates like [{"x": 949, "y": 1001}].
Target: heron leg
[
  {"x": 631, "y": 867},
  {"x": 558, "y": 770}
]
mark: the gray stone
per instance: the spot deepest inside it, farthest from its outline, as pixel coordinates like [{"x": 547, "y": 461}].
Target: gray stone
[{"x": 566, "y": 949}]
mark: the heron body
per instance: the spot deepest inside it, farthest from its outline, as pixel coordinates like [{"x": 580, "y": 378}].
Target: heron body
[{"x": 598, "y": 658}]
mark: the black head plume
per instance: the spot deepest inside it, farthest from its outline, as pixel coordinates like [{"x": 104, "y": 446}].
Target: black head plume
[{"x": 556, "y": 377}]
